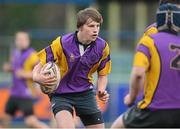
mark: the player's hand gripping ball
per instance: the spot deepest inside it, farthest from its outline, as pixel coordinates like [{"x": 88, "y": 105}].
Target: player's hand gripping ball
[{"x": 50, "y": 69}]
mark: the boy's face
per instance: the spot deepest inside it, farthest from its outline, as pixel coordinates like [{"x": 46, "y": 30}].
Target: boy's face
[
  {"x": 22, "y": 40},
  {"x": 90, "y": 30}
]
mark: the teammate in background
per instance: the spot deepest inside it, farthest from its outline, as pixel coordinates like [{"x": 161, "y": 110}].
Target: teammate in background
[
  {"x": 22, "y": 61},
  {"x": 156, "y": 68},
  {"x": 79, "y": 55}
]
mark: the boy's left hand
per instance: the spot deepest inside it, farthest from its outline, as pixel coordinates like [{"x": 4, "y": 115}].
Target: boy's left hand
[{"x": 103, "y": 96}]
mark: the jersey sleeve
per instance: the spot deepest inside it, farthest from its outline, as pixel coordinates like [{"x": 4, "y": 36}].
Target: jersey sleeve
[
  {"x": 143, "y": 53},
  {"x": 51, "y": 53},
  {"x": 31, "y": 61},
  {"x": 141, "y": 60},
  {"x": 34, "y": 59},
  {"x": 105, "y": 63}
]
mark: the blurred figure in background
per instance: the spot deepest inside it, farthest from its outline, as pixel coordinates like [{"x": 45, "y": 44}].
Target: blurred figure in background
[
  {"x": 156, "y": 68},
  {"x": 22, "y": 61},
  {"x": 79, "y": 55}
]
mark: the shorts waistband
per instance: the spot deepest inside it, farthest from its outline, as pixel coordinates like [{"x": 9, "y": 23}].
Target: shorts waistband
[{"x": 74, "y": 93}]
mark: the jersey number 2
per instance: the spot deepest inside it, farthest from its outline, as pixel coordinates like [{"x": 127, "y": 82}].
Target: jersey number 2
[{"x": 175, "y": 62}]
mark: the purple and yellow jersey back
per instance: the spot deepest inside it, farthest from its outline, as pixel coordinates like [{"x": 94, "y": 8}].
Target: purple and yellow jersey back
[
  {"x": 25, "y": 60},
  {"x": 76, "y": 70},
  {"x": 159, "y": 54}
]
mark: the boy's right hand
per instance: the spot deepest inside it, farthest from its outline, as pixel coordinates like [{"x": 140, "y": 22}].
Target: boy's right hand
[
  {"x": 42, "y": 78},
  {"x": 128, "y": 100}
]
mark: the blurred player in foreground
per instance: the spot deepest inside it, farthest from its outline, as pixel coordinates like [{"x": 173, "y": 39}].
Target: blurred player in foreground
[
  {"x": 22, "y": 61},
  {"x": 79, "y": 55},
  {"x": 156, "y": 68}
]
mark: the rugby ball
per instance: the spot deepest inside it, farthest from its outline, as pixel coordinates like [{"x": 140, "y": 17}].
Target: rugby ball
[{"x": 50, "y": 69}]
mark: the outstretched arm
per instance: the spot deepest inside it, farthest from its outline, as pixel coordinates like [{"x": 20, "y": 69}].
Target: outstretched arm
[
  {"x": 21, "y": 73},
  {"x": 136, "y": 82}
]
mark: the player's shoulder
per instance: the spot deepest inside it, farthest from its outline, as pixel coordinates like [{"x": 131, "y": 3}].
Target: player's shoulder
[
  {"x": 101, "y": 42},
  {"x": 32, "y": 52},
  {"x": 32, "y": 49},
  {"x": 154, "y": 25},
  {"x": 64, "y": 37},
  {"x": 151, "y": 29},
  {"x": 99, "y": 39},
  {"x": 67, "y": 37},
  {"x": 147, "y": 40}
]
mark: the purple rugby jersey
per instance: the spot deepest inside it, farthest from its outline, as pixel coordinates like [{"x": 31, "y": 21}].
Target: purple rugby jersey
[
  {"x": 20, "y": 87},
  {"x": 167, "y": 91},
  {"x": 80, "y": 67},
  {"x": 163, "y": 55}
]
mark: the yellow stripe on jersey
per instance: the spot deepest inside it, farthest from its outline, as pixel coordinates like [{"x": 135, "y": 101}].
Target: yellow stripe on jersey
[
  {"x": 151, "y": 30},
  {"x": 141, "y": 60},
  {"x": 62, "y": 63},
  {"x": 42, "y": 56},
  {"x": 56, "y": 49},
  {"x": 28, "y": 66},
  {"x": 153, "y": 70},
  {"x": 93, "y": 69},
  {"x": 58, "y": 54},
  {"x": 106, "y": 52},
  {"x": 107, "y": 68}
]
